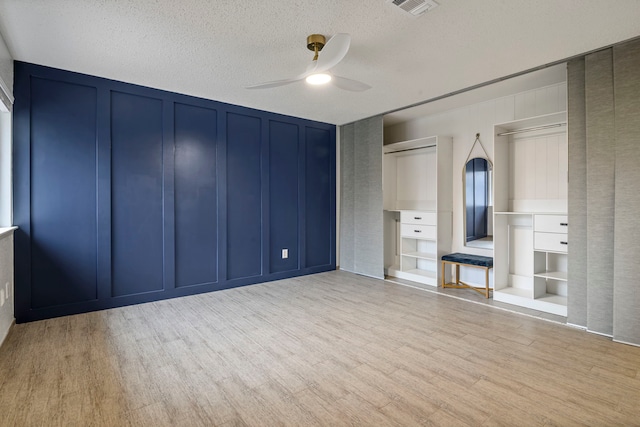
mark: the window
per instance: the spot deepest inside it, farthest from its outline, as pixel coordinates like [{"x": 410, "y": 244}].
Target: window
[{"x": 5, "y": 169}]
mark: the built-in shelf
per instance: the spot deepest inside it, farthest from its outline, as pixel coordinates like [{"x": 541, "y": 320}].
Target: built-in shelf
[
  {"x": 412, "y": 144},
  {"x": 554, "y": 299},
  {"x": 421, "y": 255},
  {"x": 515, "y": 292},
  {"x": 555, "y": 275},
  {"x": 534, "y": 122},
  {"x": 423, "y": 273},
  {"x": 530, "y": 208},
  {"x": 417, "y": 203},
  {"x": 528, "y": 213}
]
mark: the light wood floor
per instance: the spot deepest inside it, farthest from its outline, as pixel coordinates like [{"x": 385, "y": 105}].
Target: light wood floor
[
  {"x": 477, "y": 298},
  {"x": 328, "y": 349}
]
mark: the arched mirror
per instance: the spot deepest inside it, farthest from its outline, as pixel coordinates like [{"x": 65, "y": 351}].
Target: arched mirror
[{"x": 478, "y": 214}]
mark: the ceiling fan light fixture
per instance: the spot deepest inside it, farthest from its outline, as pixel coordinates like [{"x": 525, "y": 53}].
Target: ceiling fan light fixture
[
  {"x": 319, "y": 70},
  {"x": 318, "y": 79}
]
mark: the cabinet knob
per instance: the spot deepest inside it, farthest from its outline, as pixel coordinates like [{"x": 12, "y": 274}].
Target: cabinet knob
[
  {"x": 417, "y": 217},
  {"x": 417, "y": 231},
  {"x": 564, "y": 243},
  {"x": 564, "y": 224}
]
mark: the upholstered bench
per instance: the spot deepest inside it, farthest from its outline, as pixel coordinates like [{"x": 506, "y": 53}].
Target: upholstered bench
[{"x": 468, "y": 260}]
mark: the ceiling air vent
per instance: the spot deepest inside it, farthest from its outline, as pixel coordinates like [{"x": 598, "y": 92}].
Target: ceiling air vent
[{"x": 415, "y": 7}]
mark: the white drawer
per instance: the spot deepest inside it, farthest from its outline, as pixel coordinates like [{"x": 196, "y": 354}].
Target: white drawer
[
  {"x": 550, "y": 223},
  {"x": 555, "y": 242},
  {"x": 418, "y": 217},
  {"x": 418, "y": 231}
]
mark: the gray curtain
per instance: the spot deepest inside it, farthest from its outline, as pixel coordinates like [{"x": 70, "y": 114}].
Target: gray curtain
[
  {"x": 604, "y": 192},
  {"x": 361, "y": 237},
  {"x": 577, "y": 203},
  {"x": 626, "y": 291}
]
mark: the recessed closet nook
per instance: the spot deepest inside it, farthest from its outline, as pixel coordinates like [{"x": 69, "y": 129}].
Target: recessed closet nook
[
  {"x": 437, "y": 199},
  {"x": 427, "y": 208},
  {"x": 539, "y": 172}
]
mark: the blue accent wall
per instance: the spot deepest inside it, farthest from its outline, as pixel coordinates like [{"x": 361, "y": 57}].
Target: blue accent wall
[
  {"x": 63, "y": 250},
  {"x": 319, "y": 210},
  {"x": 125, "y": 194},
  {"x": 244, "y": 204},
  {"x": 196, "y": 195},
  {"x": 136, "y": 194},
  {"x": 284, "y": 197}
]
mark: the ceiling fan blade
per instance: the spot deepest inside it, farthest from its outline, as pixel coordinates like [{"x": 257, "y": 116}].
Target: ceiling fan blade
[
  {"x": 333, "y": 52},
  {"x": 275, "y": 83},
  {"x": 349, "y": 84}
]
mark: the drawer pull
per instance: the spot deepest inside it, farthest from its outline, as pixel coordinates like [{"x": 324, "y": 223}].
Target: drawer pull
[
  {"x": 564, "y": 243},
  {"x": 417, "y": 231},
  {"x": 564, "y": 224},
  {"x": 417, "y": 217}
]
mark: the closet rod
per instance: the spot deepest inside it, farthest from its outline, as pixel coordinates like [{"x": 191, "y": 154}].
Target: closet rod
[
  {"x": 555, "y": 125},
  {"x": 410, "y": 149}
]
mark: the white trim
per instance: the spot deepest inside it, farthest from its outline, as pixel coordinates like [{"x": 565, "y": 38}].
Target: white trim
[
  {"x": 5, "y": 231},
  {"x": 6, "y": 93},
  {"x": 7, "y": 333},
  {"x": 626, "y": 342},
  {"x": 361, "y": 274},
  {"x": 484, "y": 304},
  {"x": 600, "y": 333},
  {"x": 574, "y": 325}
]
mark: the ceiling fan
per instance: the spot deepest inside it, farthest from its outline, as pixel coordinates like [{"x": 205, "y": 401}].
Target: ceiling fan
[{"x": 318, "y": 72}]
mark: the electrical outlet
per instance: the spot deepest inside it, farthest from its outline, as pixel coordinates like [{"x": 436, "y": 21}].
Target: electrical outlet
[
  {"x": 7, "y": 290},
  {"x": 1, "y": 297},
  {"x": 285, "y": 253}
]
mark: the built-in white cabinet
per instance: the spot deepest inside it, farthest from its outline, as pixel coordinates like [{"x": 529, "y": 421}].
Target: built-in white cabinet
[
  {"x": 550, "y": 260},
  {"x": 530, "y": 213},
  {"x": 417, "y": 194},
  {"x": 530, "y": 261},
  {"x": 418, "y": 247}
]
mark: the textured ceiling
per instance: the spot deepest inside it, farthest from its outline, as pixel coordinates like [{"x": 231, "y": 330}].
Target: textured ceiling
[{"x": 212, "y": 49}]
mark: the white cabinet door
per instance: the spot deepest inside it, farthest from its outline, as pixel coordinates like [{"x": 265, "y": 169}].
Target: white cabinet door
[
  {"x": 554, "y": 242},
  {"x": 418, "y": 217},
  {"x": 418, "y": 231},
  {"x": 551, "y": 223}
]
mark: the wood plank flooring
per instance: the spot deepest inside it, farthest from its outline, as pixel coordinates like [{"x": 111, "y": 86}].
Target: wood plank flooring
[{"x": 328, "y": 349}]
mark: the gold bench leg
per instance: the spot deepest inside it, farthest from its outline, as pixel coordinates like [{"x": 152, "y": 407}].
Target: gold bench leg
[
  {"x": 486, "y": 280},
  {"x": 461, "y": 285}
]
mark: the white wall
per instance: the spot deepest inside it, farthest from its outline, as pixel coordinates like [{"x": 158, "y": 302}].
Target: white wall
[
  {"x": 6, "y": 284},
  {"x": 6, "y": 75},
  {"x": 5, "y": 170},
  {"x": 463, "y": 123},
  {"x": 6, "y": 65},
  {"x": 6, "y": 96},
  {"x": 6, "y": 240}
]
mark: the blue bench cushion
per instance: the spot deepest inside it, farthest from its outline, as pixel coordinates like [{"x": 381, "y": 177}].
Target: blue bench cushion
[{"x": 481, "y": 261}]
